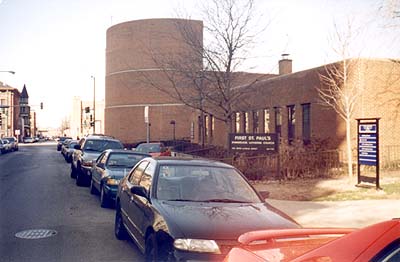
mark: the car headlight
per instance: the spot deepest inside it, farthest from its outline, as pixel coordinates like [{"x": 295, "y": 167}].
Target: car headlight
[
  {"x": 197, "y": 245},
  {"x": 112, "y": 182}
]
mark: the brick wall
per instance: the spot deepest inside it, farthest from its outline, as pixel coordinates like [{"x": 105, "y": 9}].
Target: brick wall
[
  {"x": 134, "y": 58},
  {"x": 380, "y": 97}
]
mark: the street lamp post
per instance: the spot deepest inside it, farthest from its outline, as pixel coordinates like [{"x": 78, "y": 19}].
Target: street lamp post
[
  {"x": 94, "y": 105},
  {"x": 11, "y": 72}
]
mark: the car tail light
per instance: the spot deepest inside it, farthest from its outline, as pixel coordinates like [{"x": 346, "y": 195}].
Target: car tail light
[{"x": 165, "y": 153}]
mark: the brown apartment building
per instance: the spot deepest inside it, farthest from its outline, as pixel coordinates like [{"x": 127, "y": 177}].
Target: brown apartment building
[
  {"x": 9, "y": 110},
  {"x": 287, "y": 103}
]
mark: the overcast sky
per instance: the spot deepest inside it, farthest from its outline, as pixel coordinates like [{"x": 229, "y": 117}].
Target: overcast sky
[{"x": 55, "y": 46}]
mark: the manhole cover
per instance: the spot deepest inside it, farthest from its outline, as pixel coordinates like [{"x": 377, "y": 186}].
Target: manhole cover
[{"x": 36, "y": 233}]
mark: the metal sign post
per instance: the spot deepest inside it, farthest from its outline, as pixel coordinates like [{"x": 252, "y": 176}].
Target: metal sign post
[{"x": 368, "y": 148}]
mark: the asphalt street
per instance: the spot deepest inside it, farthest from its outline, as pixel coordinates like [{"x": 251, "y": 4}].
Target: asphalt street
[{"x": 36, "y": 192}]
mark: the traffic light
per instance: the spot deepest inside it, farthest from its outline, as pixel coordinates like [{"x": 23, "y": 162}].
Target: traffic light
[
  {"x": 41, "y": 105},
  {"x": 91, "y": 118},
  {"x": 1, "y": 119},
  {"x": 91, "y": 123},
  {"x": 87, "y": 109}
]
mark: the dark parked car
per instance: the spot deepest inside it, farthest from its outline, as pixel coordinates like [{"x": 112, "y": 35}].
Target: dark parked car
[
  {"x": 68, "y": 148},
  {"x": 13, "y": 142},
  {"x": 107, "y": 171},
  {"x": 154, "y": 149},
  {"x": 61, "y": 140},
  {"x": 187, "y": 209},
  {"x": 88, "y": 149},
  {"x": 63, "y": 144}
]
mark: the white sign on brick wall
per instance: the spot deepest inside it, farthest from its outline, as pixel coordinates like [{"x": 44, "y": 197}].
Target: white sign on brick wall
[{"x": 146, "y": 114}]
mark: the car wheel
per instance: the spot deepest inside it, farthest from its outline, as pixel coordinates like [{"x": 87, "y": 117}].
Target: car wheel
[
  {"x": 79, "y": 177},
  {"x": 104, "y": 201},
  {"x": 73, "y": 172},
  {"x": 119, "y": 227},
  {"x": 151, "y": 249},
  {"x": 93, "y": 189}
]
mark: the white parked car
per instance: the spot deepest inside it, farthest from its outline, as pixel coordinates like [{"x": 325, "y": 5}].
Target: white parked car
[
  {"x": 28, "y": 139},
  {"x": 5, "y": 146},
  {"x": 13, "y": 142}
]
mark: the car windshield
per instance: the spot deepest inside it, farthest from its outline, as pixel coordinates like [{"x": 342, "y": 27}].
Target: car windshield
[
  {"x": 62, "y": 139},
  {"x": 148, "y": 148},
  {"x": 101, "y": 145},
  {"x": 203, "y": 184},
  {"x": 10, "y": 139},
  {"x": 123, "y": 160}
]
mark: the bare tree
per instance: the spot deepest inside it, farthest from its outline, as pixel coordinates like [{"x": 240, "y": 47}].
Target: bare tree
[
  {"x": 390, "y": 11},
  {"x": 340, "y": 85},
  {"x": 206, "y": 77},
  {"x": 65, "y": 125}
]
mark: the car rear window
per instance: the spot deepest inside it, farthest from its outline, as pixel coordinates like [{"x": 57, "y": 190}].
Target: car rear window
[
  {"x": 123, "y": 160},
  {"x": 101, "y": 145},
  {"x": 149, "y": 148}
]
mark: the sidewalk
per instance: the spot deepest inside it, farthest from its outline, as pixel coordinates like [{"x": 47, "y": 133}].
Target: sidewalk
[{"x": 357, "y": 213}]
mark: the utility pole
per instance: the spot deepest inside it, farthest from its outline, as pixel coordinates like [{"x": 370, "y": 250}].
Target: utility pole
[{"x": 94, "y": 105}]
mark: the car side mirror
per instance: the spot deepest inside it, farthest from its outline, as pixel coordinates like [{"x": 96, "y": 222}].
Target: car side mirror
[
  {"x": 264, "y": 194},
  {"x": 77, "y": 147},
  {"x": 140, "y": 191}
]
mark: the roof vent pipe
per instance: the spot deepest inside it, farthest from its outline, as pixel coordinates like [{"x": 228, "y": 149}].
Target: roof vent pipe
[{"x": 285, "y": 65}]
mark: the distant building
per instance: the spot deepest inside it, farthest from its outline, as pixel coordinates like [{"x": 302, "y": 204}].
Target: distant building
[
  {"x": 17, "y": 118},
  {"x": 82, "y": 116},
  {"x": 25, "y": 114},
  {"x": 9, "y": 109}
]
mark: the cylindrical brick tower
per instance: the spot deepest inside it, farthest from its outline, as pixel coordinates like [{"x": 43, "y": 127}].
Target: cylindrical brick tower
[{"x": 130, "y": 52}]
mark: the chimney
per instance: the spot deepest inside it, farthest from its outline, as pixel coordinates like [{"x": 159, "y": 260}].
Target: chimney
[{"x": 285, "y": 65}]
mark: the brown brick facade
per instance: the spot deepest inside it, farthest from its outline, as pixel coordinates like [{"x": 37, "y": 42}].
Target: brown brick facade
[
  {"x": 131, "y": 48},
  {"x": 131, "y": 60},
  {"x": 380, "y": 79}
]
